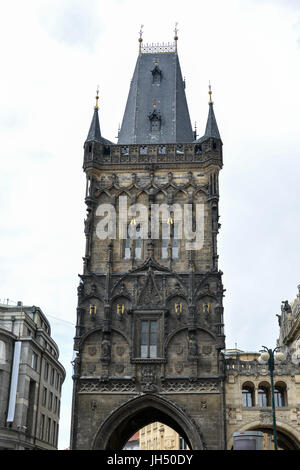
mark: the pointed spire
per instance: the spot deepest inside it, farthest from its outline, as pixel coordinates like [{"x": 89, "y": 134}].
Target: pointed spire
[
  {"x": 211, "y": 125},
  {"x": 94, "y": 134},
  {"x": 171, "y": 105}
]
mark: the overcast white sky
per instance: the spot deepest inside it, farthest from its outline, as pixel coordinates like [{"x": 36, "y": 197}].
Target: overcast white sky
[{"x": 54, "y": 53}]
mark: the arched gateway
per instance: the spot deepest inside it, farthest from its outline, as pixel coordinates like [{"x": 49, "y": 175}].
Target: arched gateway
[
  {"x": 149, "y": 331},
  {"x": 139, "y": 412}
]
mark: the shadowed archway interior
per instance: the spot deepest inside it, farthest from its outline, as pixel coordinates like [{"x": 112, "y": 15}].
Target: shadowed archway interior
[
  {"x": 132, "y": 424},
  {"x": 140, "y": 412}
]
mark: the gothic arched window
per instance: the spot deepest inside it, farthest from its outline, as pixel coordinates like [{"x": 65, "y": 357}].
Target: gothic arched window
[
  {"x": 138, "y": 243},
  {"x": 127, "y": 252},
  {"x": 170, "y": 235}
]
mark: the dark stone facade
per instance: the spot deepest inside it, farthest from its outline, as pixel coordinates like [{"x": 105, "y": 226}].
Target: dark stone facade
[{"x": 116, "y": 390}]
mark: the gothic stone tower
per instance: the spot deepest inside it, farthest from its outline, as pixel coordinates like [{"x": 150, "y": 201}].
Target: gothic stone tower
[{"x": 149, "y": 330}]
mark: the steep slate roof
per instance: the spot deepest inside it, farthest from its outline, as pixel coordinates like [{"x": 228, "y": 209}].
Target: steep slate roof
[
  {"x": 211, "y": 126},
  {"x": 170, "y": 99},
  {"x": 94, "y": 134}
]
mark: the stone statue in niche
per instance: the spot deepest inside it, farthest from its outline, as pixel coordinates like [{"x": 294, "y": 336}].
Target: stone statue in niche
[
  {"x": 88, "y": 222},
  {"x": 76, "y": 364},
  {"x": 106, "y": 348},
  {"x": 80, "y": 290},
  {"x": 192, "y": 345},
  {"x": 206, "y": 311}
]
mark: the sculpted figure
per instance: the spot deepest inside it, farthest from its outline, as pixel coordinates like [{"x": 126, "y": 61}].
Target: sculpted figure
[
  {"x": 105, "y": 348},
  {"x": 192, "y": 345}
]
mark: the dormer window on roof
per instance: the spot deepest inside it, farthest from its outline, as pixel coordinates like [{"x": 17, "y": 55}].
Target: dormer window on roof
[
  {"x": 155, "y": 120},
  {"x": 156, "y": 73}
]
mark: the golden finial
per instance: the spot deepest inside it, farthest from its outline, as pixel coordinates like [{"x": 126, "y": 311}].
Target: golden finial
[
  {"x": 210, "y": 93},
  {"x": 176, "y": 36},
  {"x": 97, "y": 98},
  {"x": 140, "y": 38},
  {"x": 154, "y": 103}
]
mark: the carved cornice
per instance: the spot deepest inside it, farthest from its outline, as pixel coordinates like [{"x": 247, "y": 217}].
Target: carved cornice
[{"x": 131, "y": 156}]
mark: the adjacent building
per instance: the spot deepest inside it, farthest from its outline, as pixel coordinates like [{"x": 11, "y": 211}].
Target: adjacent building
[
  {"x": 31, "y": 379},
  {"x": 248, "y": 387},
  {"x": 158, "y": 436}
]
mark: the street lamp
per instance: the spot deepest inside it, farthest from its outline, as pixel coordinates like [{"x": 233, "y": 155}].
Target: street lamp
[{"x": 267, "y": 355}]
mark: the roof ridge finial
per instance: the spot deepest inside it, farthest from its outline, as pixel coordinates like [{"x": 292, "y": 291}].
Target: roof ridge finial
[
  {"x": 97, "y": 98},
  {"x": 176, "y": 36},
  {"x": 140, "y": 38},
  {"x": 210, "y": 93}
]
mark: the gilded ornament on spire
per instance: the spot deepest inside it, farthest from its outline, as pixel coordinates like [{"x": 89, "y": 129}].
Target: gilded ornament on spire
[
  {"x": 210, "y": 93},
  {"x": 176, "y": 36},
  {"x": 97, "y": 98},
  {"x": 140, "y": 38}
]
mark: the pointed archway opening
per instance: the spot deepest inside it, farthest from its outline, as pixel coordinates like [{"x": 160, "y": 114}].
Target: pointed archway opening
[{"x": 141, "y": 412}]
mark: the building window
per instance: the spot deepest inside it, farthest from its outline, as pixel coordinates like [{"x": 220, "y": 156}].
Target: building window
[
  {"x": 138, "y": 243},
  {"x": 155, "y": 125},
  {"x": 280, "y": 394},
  {"x": 162, "y": 150},
  {"x": 48, "y": 430},
  {"x": 42, "y": 424},
  {"x": 182, "y": 444},
  {"x": 156, "y": 74},
  {"x": 125, "y": 150},
  {"x": 2, "y": 352},
  {"x": 50, "y": 401},
  {"x": 170, "y": 236},
  {"x": 144, "y": 150},
  {"x": 247, "y": 397},
  {"x": 148, "y": 338},
  {"x": 263, "y": 396},
  {"x": 53, "y": 433},
  {"x": 127, "y": 246},
  {"x": 179, "y": 149},
  {"x": 46, "y": 371},
  {"x": 44, "y": 399},
  {"x": 55, "y": 405},
  {"x": 34, "y": 360},
  {"x": 155, "y": 121},
  {"x": 52, "y": 376}
]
